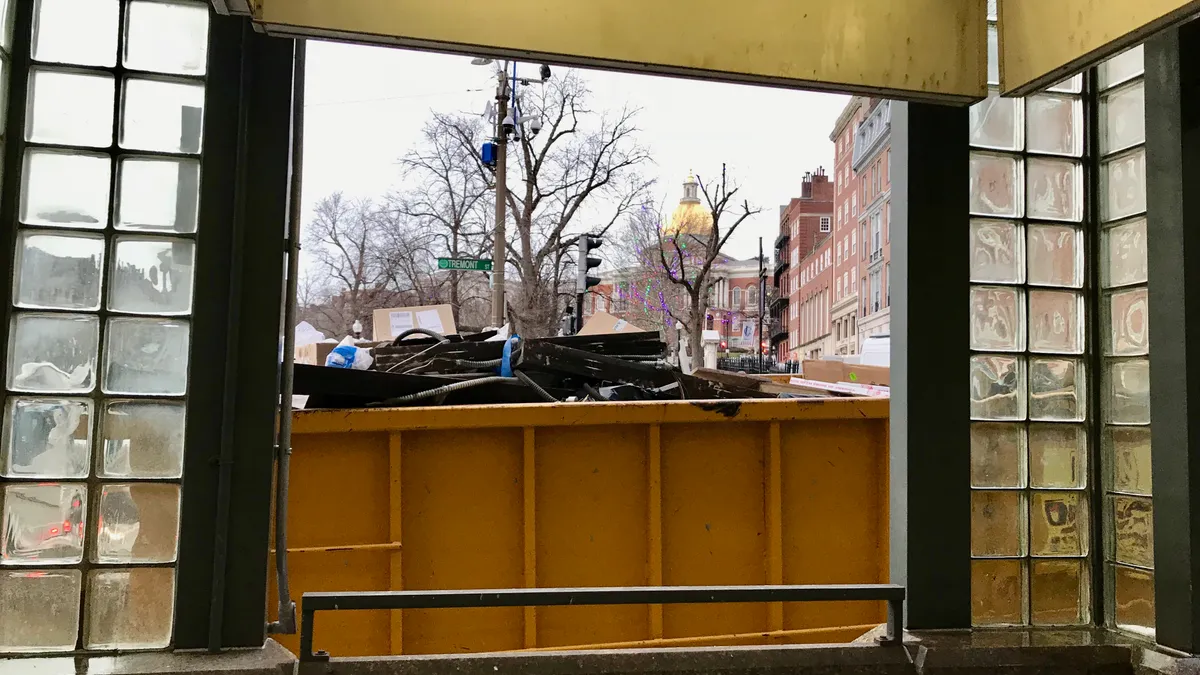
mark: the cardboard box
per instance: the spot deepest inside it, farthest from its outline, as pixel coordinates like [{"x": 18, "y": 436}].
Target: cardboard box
[
  {"x": 314, "y": 354},
  {"x": 395, "y": 320},
  {"x": 603, "y": 323},
  {"x": 836, "y": 371}
]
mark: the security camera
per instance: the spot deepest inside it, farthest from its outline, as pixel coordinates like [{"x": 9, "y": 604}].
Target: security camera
[
  {"x": 535, "y": 125},
  {"x": 545, "y": 72},
  {"x": 509, "y": 124}
]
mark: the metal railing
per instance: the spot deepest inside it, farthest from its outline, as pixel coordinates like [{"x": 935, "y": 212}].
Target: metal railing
[{"x": 561, "y": 597}]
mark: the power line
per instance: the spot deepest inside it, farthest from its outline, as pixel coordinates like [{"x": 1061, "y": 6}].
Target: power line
[{"x": 393, "y": 98}]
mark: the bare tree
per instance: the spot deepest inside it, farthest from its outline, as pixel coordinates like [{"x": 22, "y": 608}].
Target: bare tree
[
  {"x": 687, "y": 255},
  {"x": 342, "y": 239},
  {"x": 448, "y": 204},
  {"x": 582, "y": 165}
]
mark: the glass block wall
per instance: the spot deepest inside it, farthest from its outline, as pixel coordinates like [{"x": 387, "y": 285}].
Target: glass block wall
[
  {"x": 1030, "y": 521},
  {"x": 1125, "y": 402},
  {"x": 96, "y": 369}
]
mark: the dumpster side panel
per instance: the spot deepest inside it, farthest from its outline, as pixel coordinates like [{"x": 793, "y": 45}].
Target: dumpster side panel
[
  {"x": 341, "y": 507},
  {"x": 831, "y": 523},
  {"x": 560, "y": 496},
  {"x": 591, "y": 497},
  {"x": 713, "y": 522},
  {"x": 462, "y": 523}
]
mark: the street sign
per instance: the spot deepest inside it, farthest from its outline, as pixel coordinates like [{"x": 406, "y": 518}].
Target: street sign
[{"x": 464, "y": 264}]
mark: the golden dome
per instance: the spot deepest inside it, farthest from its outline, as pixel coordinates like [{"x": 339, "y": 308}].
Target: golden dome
[{"x": 691, "y": 216}]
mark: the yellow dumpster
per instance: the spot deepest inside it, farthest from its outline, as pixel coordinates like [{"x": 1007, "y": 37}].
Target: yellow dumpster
[{"x": 562, "y": 495}]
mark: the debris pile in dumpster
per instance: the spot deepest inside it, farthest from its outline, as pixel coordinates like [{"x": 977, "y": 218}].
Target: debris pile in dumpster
[{"x": 421, "y": 367}]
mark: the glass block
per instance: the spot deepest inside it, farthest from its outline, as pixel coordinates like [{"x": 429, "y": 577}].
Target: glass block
[
  {"x": 1056, "y": 322},
  {"x": 151, "y": 276},
  {"x": 997, "y": 523},
  {"x": 1127, "y": 317},
  {"x": 997, "y": 593},
  {"x": 162, "y": 116},
  {"x": 6, "y": 23},
  {"x": 53, "y": 353},
  {"x": 997, "y": 123},
  {"x": 141, "y": 439},
  {"x": 138, "y": 523},
  {"x": 1124, "y": 259},
  {"x": 41, "y": 610},
  {"x": 1057, "y": 390},
  {"x": 146, "y": 356},
  {"x": 46, "y": 438},
  {"x": 43, "y": 524},
  {"x": 1071, "y": 85},
  {"x": 995, "y": 185},
  {"x": 1122, "y": 67},
  {"x": 167, "y": 37},
  {"x": 1127, "y": 455},
  {"x": 997, "y": 455},
  {"x": 997, "y": 314},
  {"x": 58, "y": 271},
  {"x": 1058, "y": 524},
  {"x": 1133, "y": 530},
  {"x": 997, "y": 252},
  {"x": 78, "y": 32},
  {"x": 1057, "y": 456},
  {"x": 993, "y": 54},
  {"x": 129, "y": 608},
  {"x": 1058, "y": 593},
  {"x": 3, "y": 84},
  {"x": 1123, "y": 117},
  {"x": 158, "y": 195},
  {"x": 997, "y": 388},
  {"x": 70, "y": 108},
  {"x": 1054, "y": 124},
  {"x": 1128, "y": 391},
  {"x": 1123, "y": 186},
  {"x": 1055, "y": 254},
  {"x": 1132, "y": 607},
  {"x": 1055, "y": 189},
  {"x": 62, "y": 189}
]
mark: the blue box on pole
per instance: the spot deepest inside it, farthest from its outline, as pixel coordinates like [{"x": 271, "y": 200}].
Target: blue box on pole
[{"x": 488, "y": 154}]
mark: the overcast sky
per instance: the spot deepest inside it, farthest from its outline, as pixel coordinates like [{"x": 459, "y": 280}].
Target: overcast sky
[{"x": 366, "y": 106}]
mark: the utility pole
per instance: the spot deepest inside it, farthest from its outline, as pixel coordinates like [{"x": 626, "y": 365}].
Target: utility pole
[
  {"x": 762, "y": 303},
  {"x": 500, "y": 256}
]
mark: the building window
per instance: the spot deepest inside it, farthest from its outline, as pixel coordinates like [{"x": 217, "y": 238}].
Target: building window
[
  {"x": 854, "y": 204},
  {"x": 795, "y": 256},
  {"x": 621, "y": 302},
  {"x": 752, "y": 297},
  {"x": 825, "y": 223},
  {"x": 737, "y": 298},
  {"x": 887, "y": 212},
  {"x": 887, "y": 285}
]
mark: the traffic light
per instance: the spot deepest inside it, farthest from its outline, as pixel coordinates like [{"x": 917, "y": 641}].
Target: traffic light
[{"x": 587, "y": 244}]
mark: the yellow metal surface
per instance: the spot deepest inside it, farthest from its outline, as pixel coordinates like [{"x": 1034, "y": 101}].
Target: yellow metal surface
[
  {"x": 1044, "y": 41},
  {"x": 916, "y": 49},
  {"x": 590, "y": 495}
]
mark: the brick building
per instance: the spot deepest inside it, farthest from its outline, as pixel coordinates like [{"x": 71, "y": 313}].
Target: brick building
[
  {"x": 860, "y": 243},
  {"x": 805, "y": 222}
]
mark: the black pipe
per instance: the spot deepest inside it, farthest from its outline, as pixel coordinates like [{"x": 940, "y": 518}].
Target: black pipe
[
  {"x": 216, "y": 615},
  {"x": 286, "y": 612}
]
